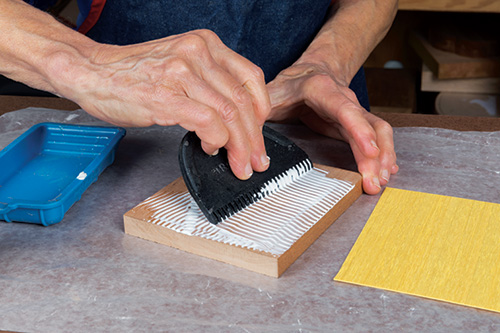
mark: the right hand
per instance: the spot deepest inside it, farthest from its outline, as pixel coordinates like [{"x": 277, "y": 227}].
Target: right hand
[
  {"x": 313, "y": 94},
  {"x": 191, "y": 79}
]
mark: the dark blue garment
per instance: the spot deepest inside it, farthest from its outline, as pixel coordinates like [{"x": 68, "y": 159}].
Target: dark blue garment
[
  {"x": 270, "y": 33},
  {"x": 41, "y": 4},
  {"x": 84, "y": 8},
  {"x": 358, "y": 85}
]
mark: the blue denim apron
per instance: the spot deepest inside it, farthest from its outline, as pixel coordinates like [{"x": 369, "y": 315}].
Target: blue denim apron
[
  {"x": 270, "y": 33},
  {"x": 41, "y": 4}
]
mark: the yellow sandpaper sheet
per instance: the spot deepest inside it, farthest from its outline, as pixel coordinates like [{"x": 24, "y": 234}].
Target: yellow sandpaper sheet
[{"x": 429, "y": 245}]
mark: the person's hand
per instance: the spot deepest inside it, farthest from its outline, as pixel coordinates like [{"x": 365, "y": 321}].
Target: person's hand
[
  {"x": 191, "y": 79},
  {"x": 311, "y": 93}
]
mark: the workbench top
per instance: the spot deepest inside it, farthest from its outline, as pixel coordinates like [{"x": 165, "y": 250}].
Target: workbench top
[{"x": 85, "y": 273}]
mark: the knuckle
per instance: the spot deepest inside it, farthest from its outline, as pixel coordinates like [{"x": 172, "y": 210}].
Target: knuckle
[
  {"x": 256, "y": 73},
  {"x": 383, "y": 126},
  {"x": 179, "y": 65},
  {"x": 348, "y": 109},
  {"x": 228, "y": 111},
  {"x": 388, "y": 158},
  {"x": 161, "y": 121},
  {"x": 161, "y": 118},
  {"x": 214, "y": 139},
  {"x": 205, "y": 119},
  {"x": 213, "y": 142},
  {"x": 261, "y": 117},
  {"x": 240, "y": 95},
  {"x": 392, "y": 157},
  {"x": 350, "y": 94},
  {"x": 207, "y": 33},
  {"x": 193, "y": 43}
]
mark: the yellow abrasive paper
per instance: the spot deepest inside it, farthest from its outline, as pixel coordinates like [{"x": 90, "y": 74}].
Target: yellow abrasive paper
[{"x": 430, "y": 245}]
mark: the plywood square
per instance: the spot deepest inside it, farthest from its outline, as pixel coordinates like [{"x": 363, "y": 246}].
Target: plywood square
[
  {"x": 429, "y": 245},
  {"x": 141, "y": 222}
]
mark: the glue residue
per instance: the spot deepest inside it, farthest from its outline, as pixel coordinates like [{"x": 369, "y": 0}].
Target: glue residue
[
  {"x": 81, "y": 176},
  {"x": 272, "y": 224}
]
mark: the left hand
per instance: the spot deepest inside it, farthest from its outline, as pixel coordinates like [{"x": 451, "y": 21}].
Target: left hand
[{"x": 311, "y": 93}]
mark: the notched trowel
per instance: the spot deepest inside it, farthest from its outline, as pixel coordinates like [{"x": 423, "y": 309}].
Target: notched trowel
[{"x": 218, "y": 192}]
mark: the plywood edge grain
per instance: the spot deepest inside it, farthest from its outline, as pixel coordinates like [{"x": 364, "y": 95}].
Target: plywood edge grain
[
  {"x": 136, "y": 224},
  {"x": 256, "y": 261},
  {"x": 447, "y": 65},
  {"x": 429, "y": 82}
]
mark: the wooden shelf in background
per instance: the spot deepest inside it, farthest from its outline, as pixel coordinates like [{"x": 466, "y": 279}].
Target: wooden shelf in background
[
  {"x": 487, "y": 85},
  {"x": 447, "y": 65},
  {"x": 478, "y": 6},
  {"x": 13, "y": 103}
]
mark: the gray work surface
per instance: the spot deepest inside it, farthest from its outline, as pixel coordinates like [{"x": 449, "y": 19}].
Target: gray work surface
[{"x": 85, "y": 274}]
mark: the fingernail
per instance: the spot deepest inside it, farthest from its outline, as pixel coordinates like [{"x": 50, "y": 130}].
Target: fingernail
[
  {"x": 395, "y": 168},
  {"x": 248, "y": 170},
  {"x": 264, "y": 159},
  {"x": 376, "y": 182},
  {"x": 215, "y": 152},
  {"x": 374, "y": 144},
  {"x": 385, "y": 175}
]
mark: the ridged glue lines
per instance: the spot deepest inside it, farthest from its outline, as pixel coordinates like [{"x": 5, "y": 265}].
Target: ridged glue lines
[{"x": 271, "y": 224}]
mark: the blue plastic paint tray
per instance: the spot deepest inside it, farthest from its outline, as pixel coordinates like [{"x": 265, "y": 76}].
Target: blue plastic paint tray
[{"x": 46, "y": 169}]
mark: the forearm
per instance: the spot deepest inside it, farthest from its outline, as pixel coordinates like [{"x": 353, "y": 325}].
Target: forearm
[
  {"x": 34, "y": 46},
  {"x": 192, "y": 80},
  {"x": 351, "y": 32}
]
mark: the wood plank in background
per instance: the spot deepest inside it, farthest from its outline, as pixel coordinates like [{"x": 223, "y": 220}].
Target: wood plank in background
[
  {"x": 487, "y": 85},
  {"x": 480, "y": 6},
  {"x": 456, "y": 123},
  {"x": 447, "y": 65},
  {"x": 13, "y": 103}
]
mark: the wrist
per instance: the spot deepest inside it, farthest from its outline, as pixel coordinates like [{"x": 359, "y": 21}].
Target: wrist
[
  {"x": 351, "y": 32},
  {"x": 35, "y": 48},
  {"x": 324, "y": 59},
  {"x": 66, "y": 64}
]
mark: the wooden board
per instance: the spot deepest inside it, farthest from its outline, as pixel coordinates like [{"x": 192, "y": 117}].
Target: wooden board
[
  {"x": 447, "y": 65},
  {"x": 477, "y": 39},
  {"x": 487, "y": 85},
  {"x": 484, "y": 6},
  {"x": 13, "y": 103},
  {"x": 136, "y": 224}
]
